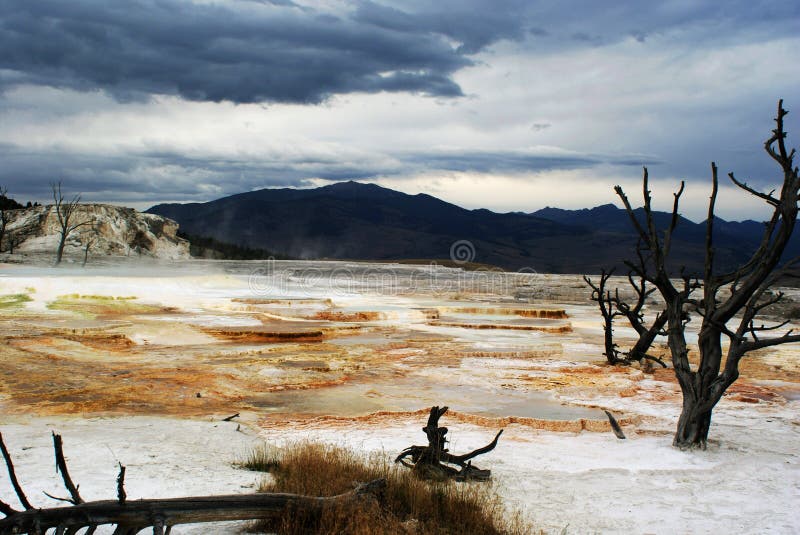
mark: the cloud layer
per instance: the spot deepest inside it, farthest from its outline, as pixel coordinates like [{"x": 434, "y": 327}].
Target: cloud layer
[
  {"x": 146, "y": 101},
  {"x": 239, "y": 53}
]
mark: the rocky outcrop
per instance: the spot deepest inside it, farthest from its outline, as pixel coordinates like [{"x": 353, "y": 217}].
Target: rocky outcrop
[{"x": 110, "y": 231}]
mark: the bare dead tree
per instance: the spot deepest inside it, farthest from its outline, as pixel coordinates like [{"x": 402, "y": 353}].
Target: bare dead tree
[
  {"x": 12, "y": 241},
  {"x": 602, "y": 296},
  {"x": 612, "y": 306},
  {"x": 65, "y": 211},
  {"x": 4, "y": 217},
  {"x": 132, "y": 516},
  {"x": 89, "y": 239},
  {"x": 737, "y": 296},
  {"x": 434, "y": 460}
]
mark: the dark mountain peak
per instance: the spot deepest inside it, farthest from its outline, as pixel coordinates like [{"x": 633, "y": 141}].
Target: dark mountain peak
[
  {"x": 354, "y": 189},
  {"x": 605, "y": 208},
  {"x": 556, "y": 214}
]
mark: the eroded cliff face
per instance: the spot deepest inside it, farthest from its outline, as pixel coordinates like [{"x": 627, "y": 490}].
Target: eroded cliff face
[{"x": 109, "y": 231}]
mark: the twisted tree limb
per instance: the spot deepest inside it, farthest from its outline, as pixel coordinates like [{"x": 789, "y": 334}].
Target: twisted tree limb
[{"x": 433, "y": 461}]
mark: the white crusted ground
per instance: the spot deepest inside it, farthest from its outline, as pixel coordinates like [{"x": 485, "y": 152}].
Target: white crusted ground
[{"x": 748, "y": 481}]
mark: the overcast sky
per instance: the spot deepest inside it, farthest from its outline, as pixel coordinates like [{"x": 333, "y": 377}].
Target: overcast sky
[{"x": 507, "y": 105}]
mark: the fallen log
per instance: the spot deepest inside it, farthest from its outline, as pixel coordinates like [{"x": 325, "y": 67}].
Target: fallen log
[
  {"x": 135, "y": 515},
  {"x": 132, "y": 516}
]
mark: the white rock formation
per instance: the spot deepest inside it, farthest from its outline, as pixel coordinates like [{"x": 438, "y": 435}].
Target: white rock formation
[{"x": 112, "y": 231}]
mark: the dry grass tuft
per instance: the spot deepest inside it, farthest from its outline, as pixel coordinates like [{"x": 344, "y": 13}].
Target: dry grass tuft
[
  {"x": 262, "y": 458},
  {"x": 407, "y": 506}
]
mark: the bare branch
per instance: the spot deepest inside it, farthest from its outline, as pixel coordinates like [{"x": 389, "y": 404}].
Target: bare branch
[
  {"x": 629, "y": 209},
  {"x": 768, "y": 342},
  {"x": 61, "y": 466},
  {"x": 12, "y": 475},
  {"x": 761, "y": 328},
  {"x": 758, "y": 307},
  {"x": 724, "y": 329},
  {"x": 779, "y": 136},
  {"x": 79, "y": 225},
  {"x": 765, "y": 196},
  {"x": 673, "y": 220},
  {"x": 461, "y": 459},
  {"x": 56, "y": 498},
  {"x": 709, "y": 264}
]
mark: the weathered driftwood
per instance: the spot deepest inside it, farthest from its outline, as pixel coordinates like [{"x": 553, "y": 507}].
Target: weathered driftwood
[
  {"x": 132, "y": 516},
  {"x": 433, "y": 461},
  {"x": 615, "y": 426}
]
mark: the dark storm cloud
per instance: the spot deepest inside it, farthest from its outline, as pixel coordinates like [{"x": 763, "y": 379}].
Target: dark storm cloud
[
  {"x": 278, "y": 50},
  {"x": 474, "y": 24},
  {"x": 240, "y": 52}
]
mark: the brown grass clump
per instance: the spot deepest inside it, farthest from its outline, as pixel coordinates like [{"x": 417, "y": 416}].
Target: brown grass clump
[
  {"x": 559, "y": 329},
  {"x": 542, "y": 313},
  {"x": 407, "y": 506},
  {"x": 255, "y": 336},
  {"x": 261, "y": 459},
  {"x": 345, "y": 316}
]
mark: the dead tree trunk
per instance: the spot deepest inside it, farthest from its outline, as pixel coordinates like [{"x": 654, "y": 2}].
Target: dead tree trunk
[
  {"x": 737, "y": 296},
  {"x": 132, "y": 516},
  {"x": 433, "y": 461}
]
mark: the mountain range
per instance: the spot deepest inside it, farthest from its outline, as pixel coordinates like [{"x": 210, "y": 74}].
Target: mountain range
[{"x": 352, "y": 220}]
